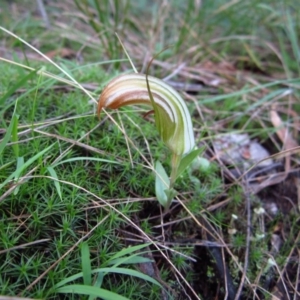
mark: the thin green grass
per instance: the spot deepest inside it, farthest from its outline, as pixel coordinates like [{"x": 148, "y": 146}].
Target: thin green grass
[{"x": 53, "y": 209}]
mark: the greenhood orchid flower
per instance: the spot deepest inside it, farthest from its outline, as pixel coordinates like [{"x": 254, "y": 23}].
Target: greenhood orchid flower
[
  {"x": 172, "y": 120},
  {"x": 172, "y": 117}
]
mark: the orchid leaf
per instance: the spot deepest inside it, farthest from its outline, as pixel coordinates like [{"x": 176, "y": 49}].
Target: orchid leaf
[
  {"x": 187, "y": 160},
  {"x": 162, "y": 183},
  {"x": 171, "y": 194}
]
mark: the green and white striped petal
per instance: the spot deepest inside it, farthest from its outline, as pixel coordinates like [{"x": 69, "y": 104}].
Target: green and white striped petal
[{"x": 172, "y": 117}]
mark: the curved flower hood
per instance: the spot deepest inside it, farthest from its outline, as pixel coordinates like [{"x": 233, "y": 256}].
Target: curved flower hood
[{"x": 172, "y": 117}]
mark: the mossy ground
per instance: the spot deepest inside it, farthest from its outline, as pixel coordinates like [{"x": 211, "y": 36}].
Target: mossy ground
[{"x": 239, "y": 59}]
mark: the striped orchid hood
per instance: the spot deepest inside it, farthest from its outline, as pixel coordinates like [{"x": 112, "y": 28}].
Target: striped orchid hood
[{"x": 172, "y": 117}]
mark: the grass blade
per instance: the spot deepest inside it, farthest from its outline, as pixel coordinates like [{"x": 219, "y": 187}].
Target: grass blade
[
  {"x": 86, "y": 264},
  {"x": 16, "y": 174},
  {"x": 9, "y": 131},
  {"x": 126, "y": 251},
  {"x": 126, "y": 271},
  {"x": 14, "y": 135},
  {"x": 133, "y": 259},
  {"x": 104, "y": 271},
  {"x": 56, "y": 182},
  {"x": 17, "y": 85},
  {"x": 90, "y": 290},
  {"x": 85, "y": 158},
  {"x": 20, "y": 163}
]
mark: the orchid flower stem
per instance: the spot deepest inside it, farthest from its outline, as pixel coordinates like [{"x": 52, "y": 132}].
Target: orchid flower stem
[{"x": 174, "y": 164}]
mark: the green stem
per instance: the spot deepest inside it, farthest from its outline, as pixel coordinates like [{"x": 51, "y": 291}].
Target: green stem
[{"x": 175, "y": 164}]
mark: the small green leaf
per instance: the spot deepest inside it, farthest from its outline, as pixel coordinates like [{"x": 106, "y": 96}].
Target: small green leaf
[
  {"x": 187, "y": 160},
  {"x": 56, "y": 182},
  {"x": 162, "y": 183},
  {"x": 86, "y": 264}
]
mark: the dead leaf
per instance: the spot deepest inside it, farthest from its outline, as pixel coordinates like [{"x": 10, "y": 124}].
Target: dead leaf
[
  {"x": 63, "y": 52},
  {"x": 297, "y": 183},
  {"x": 218, "y": 67},
  {"x": 239, "y": 150},
  {"x": 276, "y": 243},
  {"x": 283, "y": 133},
  {"x": 275, "y": 297}
]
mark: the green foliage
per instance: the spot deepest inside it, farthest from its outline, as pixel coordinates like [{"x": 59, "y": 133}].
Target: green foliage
[
  {"x": 56, "y": 207},
  {"x": 187, "y": 160},
  {"x": 58, "y": 165},
  {"x": 103, "y": 25},
  {"x": 125, "y": 256},
  {"x": 8, "y": 134}
]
